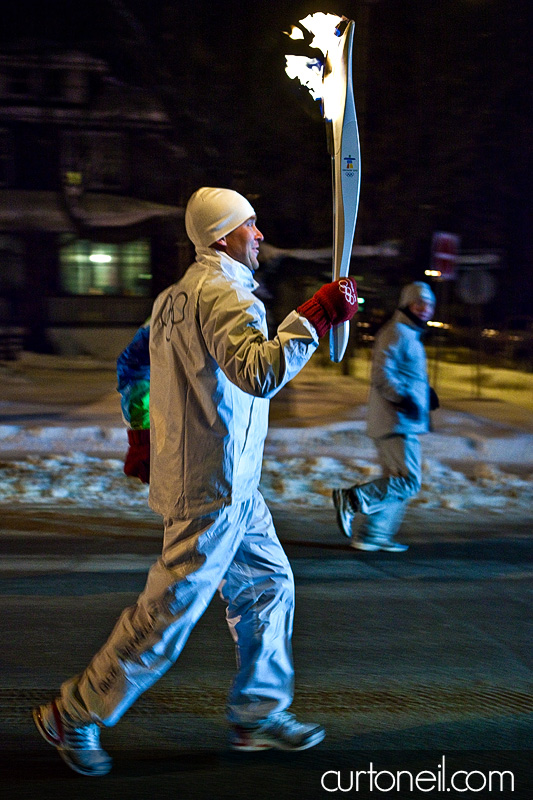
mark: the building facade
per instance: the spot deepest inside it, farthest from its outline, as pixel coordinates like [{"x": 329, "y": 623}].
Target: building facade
[{"x": 90, "y": 229}]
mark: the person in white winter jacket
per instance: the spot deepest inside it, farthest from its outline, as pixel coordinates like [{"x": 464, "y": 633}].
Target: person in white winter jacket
[
  {"x": 398, "y": 411},
  {"x": 212, "y": 372}
]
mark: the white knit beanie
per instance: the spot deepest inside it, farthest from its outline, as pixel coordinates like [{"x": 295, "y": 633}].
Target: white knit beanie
[
  {"x": 213, "y": 213},
  {"x": 414, "y": 292}
]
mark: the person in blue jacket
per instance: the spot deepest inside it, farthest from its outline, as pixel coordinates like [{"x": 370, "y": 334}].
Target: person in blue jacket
[
  {"x": 398, "y": 411},
  {"x": 133, "y": 373}
]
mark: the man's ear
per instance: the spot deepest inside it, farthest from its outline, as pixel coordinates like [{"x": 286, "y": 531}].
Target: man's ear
[{"x": 220, "y": 244}]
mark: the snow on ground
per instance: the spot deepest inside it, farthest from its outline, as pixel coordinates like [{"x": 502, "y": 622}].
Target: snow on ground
[{"x": 82, "y": 466}]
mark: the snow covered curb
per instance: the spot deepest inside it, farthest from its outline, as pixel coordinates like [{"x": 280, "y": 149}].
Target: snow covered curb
[
  {"x": 342, "y": 440},
  {"x": 82, "y": 466},
  {"x": 348, "y": 440},
  {"x": 63, "y": 439}
]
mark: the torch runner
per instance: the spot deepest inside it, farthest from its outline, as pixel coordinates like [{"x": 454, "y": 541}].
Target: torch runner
[{"x": 338, "y": 109}]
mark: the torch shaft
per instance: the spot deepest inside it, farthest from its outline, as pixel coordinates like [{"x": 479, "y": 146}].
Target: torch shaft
[{"x": 346, "y": 177}]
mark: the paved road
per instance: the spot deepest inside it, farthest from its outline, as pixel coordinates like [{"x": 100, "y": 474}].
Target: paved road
[{"x": 403, "y": 658}]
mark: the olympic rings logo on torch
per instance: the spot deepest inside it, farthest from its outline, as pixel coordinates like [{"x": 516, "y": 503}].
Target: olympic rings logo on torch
[{"x": 330, "y": 80}]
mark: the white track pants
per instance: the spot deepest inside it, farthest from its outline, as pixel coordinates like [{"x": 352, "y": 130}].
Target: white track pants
[
  {"x": 384, "y": 501},
  {"x": 235, "y": 550}
]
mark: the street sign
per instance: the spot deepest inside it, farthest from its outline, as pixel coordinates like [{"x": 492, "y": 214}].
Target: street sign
[{"x": 444, "y": 252}]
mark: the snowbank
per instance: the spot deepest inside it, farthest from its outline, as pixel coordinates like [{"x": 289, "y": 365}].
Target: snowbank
[{"x": 82, "y": 466}]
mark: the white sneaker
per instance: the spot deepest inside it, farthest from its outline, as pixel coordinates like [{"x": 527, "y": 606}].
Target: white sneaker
[
  {"x": 358, "y": 544},
  {"x": 78, "y": 747},
  {"x": 282, "y": 732},
  {"x": 371, "y": 547},
  {"x": 394, "y": 547}
]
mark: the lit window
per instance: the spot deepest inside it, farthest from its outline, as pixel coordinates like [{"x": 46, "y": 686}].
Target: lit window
[
  {"x": 106, "y": 269},
  {"x": 136, "y": 268}
]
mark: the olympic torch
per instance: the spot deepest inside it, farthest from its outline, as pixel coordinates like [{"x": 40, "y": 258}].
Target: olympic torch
[{"x": 334, "y": 36}]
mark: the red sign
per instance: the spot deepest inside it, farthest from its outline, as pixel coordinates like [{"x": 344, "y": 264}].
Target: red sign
[{"x": 444, "y": 252}]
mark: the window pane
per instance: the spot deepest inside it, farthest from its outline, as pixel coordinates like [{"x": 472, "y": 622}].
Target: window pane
[
  {"x": 75, "y": 277},
  {"x": 136, "y": 268},
  {"x": 116, "y": 269},
  {"x": 104, "y": 266}
]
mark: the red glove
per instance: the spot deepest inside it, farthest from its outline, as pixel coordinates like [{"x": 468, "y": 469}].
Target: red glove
[
  {"x": 333, "y": 303},
  {"x": 137, "y": 463}
]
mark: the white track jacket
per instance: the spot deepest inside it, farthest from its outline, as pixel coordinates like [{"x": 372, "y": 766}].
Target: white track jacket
[
  {"x": 213, "y": 370},
  {"x": 399, "y": 369}
]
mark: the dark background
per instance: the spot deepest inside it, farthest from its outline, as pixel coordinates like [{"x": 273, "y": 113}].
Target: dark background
[{"x": 443, "y": 97}]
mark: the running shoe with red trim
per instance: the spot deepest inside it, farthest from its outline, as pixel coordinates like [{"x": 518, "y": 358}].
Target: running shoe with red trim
[
  {"x": 281, "y": 732},
  {"x": 79, "y": 747}
]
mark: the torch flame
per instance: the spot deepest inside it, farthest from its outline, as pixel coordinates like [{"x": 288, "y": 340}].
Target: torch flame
[
  {"x": 310, "y": 71},
  {"x": 323, "y": 26},
  {"x": 296, "y": 33}
]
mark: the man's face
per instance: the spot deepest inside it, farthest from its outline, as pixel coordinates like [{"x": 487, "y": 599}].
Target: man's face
[
  {"x": 242, "y": 244},
  {"x": 423, "y": 309}
]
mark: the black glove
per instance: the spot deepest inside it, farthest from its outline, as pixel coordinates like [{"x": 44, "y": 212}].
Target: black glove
[
  {"x": 408, "y": 406},
  {"x": 433, "y": 399}
]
